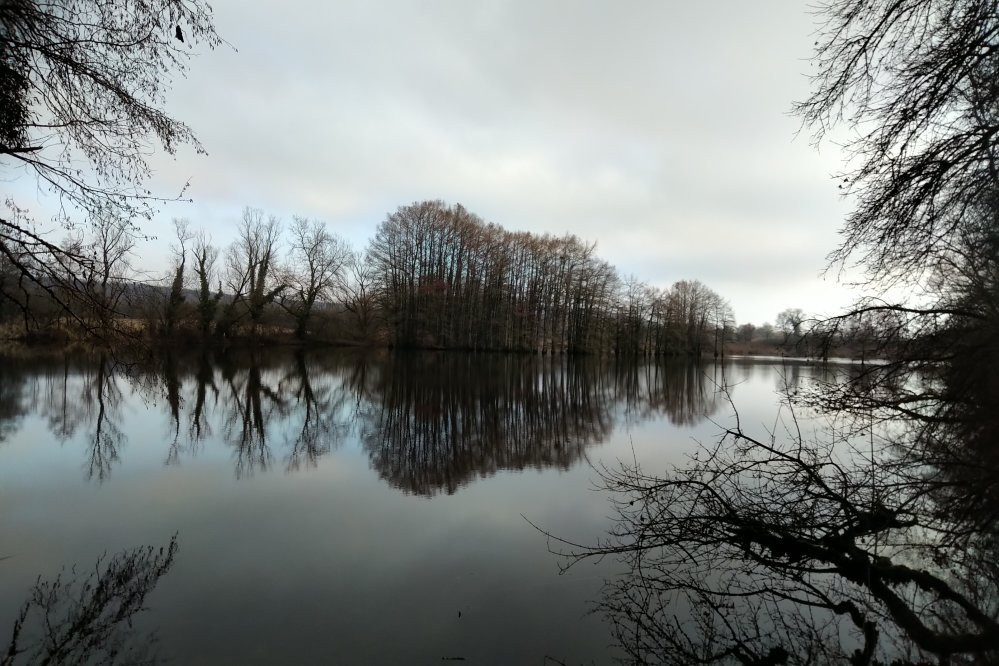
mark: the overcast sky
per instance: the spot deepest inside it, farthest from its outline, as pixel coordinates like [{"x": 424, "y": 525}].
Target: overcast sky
[{"x": 658, "y": 129}]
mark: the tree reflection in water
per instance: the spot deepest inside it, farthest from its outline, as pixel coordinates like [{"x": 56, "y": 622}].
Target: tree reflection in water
[
  {"x": 71, "y": 394},
  {"x": 108, "y": 439},
  {"x": 13, "y": 407},
  {"x": 84, "y": 618},
  {"x": 321, "y": 407},
  {"x": 430, "y": 423},
  {"x": 808, "y": 545},
  {"x": 440, "y": 420},
  {"x": 686, "y": 392},
  {"x": 251, "y": 404},
  {"x": 204, "y": 378}
]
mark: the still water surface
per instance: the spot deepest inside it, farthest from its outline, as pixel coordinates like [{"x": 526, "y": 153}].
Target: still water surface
[{"x": 339, "y": 508}]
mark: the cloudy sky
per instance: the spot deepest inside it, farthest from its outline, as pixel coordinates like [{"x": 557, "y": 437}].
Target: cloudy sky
[{"x": 658, "y": 129}]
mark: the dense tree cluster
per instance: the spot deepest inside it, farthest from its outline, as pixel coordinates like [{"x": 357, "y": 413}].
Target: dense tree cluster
[{"x": 448, "y": 279}]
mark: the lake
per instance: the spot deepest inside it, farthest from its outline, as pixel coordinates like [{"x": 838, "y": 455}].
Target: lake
[{"x": 334, "y": 507}]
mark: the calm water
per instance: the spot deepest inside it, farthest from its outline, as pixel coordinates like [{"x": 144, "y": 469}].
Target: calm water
[{"x": 336, "y": 508}]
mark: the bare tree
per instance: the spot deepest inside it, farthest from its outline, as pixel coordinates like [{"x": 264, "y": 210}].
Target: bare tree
[
  {"x": 916, "y": 81},
  {"x": 746, "y": 333},
  {"x": 316, "y": 262},
  {"x": 790, "y": 321},
  {"x": 175, "y": 299},
  {"x": 251, "y": 270},
  {"x": 205, "y": 256},
  {"x": 84, "y": 84},
  {"x": 356, "y": 287},
  {"x": 723, "y": 323},
  {"x": 106, "y": 274}
]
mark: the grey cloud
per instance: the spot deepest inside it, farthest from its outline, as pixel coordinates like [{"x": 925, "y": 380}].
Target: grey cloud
[{"x": 658, "y": 130}]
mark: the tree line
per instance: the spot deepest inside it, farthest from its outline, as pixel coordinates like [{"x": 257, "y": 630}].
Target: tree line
[{"x": 434, "y": 276}]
